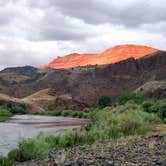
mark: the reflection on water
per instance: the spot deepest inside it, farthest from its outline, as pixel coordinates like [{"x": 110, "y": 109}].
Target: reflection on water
[{"x": 29, "y": 126}]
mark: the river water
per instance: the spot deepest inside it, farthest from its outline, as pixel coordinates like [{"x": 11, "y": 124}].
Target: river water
[{"x": 29, "y": 126}]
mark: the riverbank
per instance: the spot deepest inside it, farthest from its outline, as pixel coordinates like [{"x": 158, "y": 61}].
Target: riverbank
[
  {"x": 134, "y": 151},
  {"x": 29, "y": 126},
  {"x": 132, "y": 116}
]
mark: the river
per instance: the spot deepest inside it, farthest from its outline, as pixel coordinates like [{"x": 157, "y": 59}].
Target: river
[{"x": 29, "y": 126}]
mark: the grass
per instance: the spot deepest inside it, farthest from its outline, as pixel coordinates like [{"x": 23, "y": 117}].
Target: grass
[
  {"x": 122, "y": 120},
  {"x": 3, "y": 118},
  {"x": 4, "y": 114}
]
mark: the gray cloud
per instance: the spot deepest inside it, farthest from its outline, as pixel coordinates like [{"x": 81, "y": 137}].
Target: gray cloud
[
  {"x": 34, "y": 32},
  {"x": 54, "y": 26},
  {"x": 19, "y": 52},
  {"x": 128, "y": 13},
  {"x": 6, "y": 15},
  {"x": 73, "y": 20}
]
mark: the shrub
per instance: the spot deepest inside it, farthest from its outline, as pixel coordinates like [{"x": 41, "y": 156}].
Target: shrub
[
  {"x": 154, "y": 108},
  {"x": 68, "y": 113},
  {"x": 104, "y": 101},
  {"x": 128, "y": 107},
  {"x": 136, "y": 97},
  {"x": 125, "y": 123},
  {"x": 80, "y": 114},
  {"x": 5, "y": 112},
  {"x": 162, "y": 109},
  {"x": 5, "y": 161},
  {"x": 75, "y": 114},
  {"x": 14, "y": 155},
  {"x": 147, "y": 106},
  {"x": 52, "y": 141},
  {"x": 17, "y": 108},
  {"x": 33, "y": 148},
  {"x": 150, "y": 117},
  {"x": 131, "y": 123},
  {"x": 68, "y": 139},
  {"x": 56, "y": 113},
  {"x": 158, "y": 107}
]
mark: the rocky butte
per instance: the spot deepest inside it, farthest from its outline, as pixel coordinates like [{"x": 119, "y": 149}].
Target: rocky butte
[{"x": 109, "y": 56}]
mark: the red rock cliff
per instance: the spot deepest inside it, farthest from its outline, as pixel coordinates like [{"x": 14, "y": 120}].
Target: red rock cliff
[{"x": 111, "y": 55}]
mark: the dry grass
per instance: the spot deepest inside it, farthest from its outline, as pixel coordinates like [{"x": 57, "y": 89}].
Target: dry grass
[
  {"x": 39, "y": 100},
  {"x": 152, "y": 144},
  {"x": 5, "y": 99},
  {"x": 152, "y": 86},
  {"x": 35, "y": 102},
  {"x": 159, "y": 128}
]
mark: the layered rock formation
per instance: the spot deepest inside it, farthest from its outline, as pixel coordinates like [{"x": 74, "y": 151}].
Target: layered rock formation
[{"x": 81, "y": 87}]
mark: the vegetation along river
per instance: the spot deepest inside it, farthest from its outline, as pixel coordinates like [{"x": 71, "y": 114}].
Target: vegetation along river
[{"x": 29, "y": 126}]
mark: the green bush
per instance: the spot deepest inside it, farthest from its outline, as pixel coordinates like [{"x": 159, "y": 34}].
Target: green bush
[
  {"x": 66, "y": 113},
  {"x": 147, "y": 105},
  {"x": 29, "y": 149},
  {"x": 14, "y": 155},
  {"x": 5, "y": 161},
  {"x": 125, "y": 123},
  {"x": 162, "y": 109},
  {"x": 136, "y": 97},
  {"x": 17, "y": 108},
  {"x": 104, "y": 101},
  {"x": 154, "y": 108},
  {"x": 80, "y": 115},
  {"x": 158, "y": 107},
  {"x": 56, "y": 113},
  {"x": 52, "y": 141},
  {"x": 150, "y": 117},
  {"x": 131, "y": 123},
  {"x": 5, "y": 112},
  {"x": 128, "y": 107}
]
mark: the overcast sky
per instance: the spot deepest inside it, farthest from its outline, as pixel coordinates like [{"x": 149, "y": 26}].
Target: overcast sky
[{"x": 33, "y": 32}]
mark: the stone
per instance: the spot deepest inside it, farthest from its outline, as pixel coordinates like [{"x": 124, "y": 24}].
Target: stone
[{"x": 69, "y": 163}]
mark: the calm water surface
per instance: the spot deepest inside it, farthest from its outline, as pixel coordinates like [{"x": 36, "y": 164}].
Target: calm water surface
[{"x": 29, "y": 126}]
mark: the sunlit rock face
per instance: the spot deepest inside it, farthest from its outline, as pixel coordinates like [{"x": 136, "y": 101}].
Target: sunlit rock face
[{"x": 109, "y": 56}]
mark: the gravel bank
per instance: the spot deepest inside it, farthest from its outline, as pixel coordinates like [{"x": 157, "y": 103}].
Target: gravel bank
[{"x": 145, "y": 151}]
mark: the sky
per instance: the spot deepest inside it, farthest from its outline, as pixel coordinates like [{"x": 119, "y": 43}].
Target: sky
[{"x": 34, "y": 32}]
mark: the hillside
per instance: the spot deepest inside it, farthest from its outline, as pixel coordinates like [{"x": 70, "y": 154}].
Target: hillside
[
  {"x": 109, "y": 56},
  {"x": 81, "y": 87}
]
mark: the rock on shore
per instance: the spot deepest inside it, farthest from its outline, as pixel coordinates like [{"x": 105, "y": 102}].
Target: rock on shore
[{"x": 144, "y": 151}]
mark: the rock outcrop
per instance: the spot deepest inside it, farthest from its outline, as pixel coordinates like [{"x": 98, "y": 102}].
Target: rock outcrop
[
  {"x": 81, "y": 87},
  {"x": 109, "y": 56}
]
